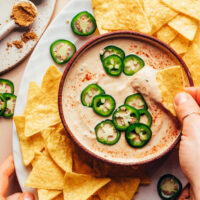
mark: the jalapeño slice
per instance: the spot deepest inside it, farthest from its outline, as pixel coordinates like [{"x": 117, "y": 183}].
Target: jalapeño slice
[
  {"x": 83, "y": 24},
  {"x": 137, "y": 135},
  {"x": 6, "y": 86},
  {"x": 132, "y": 64},
  {"x": 11, "y": 100},
  {"x": 124, "y": 116},
  {"x": 145, "y": 117},
  {"x": 62, "y": 51},
  {"x": 89, "y": 92},
  {"x": 103, "y": 105},
  {"x": 3, "y": 104},
  {"x": 169, "y": 187},
  {"x": 110, "y": 50},
  {"x": 106, "y": 133},
  {"x": 113, "y": 65},
  {"x": 136, "y": 101}
]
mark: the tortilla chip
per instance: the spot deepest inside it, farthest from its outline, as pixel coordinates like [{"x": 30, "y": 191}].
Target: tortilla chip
[
  {"x": 40, "y": 111},
  {"x": 197, "y": 37},
  {"x": 59, "y": 146},
  {"x": 184, "y": 25},
  {"x": 81, "y": 187},
  {"x": 171, "y": 82},
  {"x": 45, "y": 175},
  {"x": 142, "y": 174},
  {"x": 179, "y": 44},
  {"x": 48, "y": 194},
  {"x": 186, "y": 80},
  {"x": 118, "y": 171},
  {"x": 166, "y": 34},
  {"x": 120, "y": 15},
  {"x": 94, "y": 197},
  {"x": 158, "y": 14},
  {"x": 129, "y": 15},
  {"x": 80, "y": 166},
  {"x": 142, "y": 3},
  {"x": 192, "y": 59},
  {"x": 51, "y": 82},
  {"x": 36, "y": 158},
  {"x": 98, "y": 165},
  {"x": 81, "y": 161},
  {"x": 29, "y": 146},
  {"x": 119, "y": 188},
  {"x": 145, "y": 181},
  {"x": 46, "y": 132},
  {"x": 59, "y": 197},
  {"x": 101, "y": 8},
  {"x": 188, "y": 7}
]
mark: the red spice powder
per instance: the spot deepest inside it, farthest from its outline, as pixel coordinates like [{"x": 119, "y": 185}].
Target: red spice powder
[{"x": 88, "y": 76}]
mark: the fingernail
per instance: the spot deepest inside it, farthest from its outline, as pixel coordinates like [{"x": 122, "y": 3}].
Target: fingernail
[{"x": 180, "y": 98}]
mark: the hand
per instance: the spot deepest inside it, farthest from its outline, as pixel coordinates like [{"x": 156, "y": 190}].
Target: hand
[
  {"x": 187, "y": 109},
  {"x": 6, "y": 169},
  {"x": 185, "y": 194}
]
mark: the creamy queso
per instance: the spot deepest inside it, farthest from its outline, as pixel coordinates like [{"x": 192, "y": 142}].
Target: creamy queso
[{"x": 81, "y": 120}]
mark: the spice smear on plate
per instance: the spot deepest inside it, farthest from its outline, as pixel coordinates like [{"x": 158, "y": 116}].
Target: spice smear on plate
[{"x": 23, "y": 13}]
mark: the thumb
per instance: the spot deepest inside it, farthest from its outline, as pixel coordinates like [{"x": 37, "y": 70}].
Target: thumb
[
  {"x": 185, "y": 105},
  {"x": 188, "y": 111}
]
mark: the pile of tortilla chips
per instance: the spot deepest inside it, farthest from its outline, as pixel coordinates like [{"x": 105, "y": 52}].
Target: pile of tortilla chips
[
  {"x": 176, "y": 22},
  {"x": 60, "y": 170}
]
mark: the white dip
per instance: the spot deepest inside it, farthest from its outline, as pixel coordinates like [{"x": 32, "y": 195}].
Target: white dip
[{"x": 82, "y": 120}]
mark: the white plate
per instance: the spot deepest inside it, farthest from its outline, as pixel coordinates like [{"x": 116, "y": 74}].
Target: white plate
[
  {"x": 38, "y": 64},
  {"x": 11, "y": 56}
]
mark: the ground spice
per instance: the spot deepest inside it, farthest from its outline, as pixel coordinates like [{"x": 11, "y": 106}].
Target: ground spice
[
  {"x": 29, "y": 36},
  {"x": 25, "y": 38},
  {"x": 9, "y": 44},
  {"x": 18, "y": 44},
  {"x": 23, "y": 13}
]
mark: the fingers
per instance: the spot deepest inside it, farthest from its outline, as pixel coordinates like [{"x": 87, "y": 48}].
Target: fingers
[
  {"x": 184, "y": 105},
  {"x": 20, "y": 196},
  {"x": 2, "y": 198},
  {"x": 6, "y": 169},
  {"x": 185, "y": 194},
  {"x": 14, "y": 196},
  {"x": 194, "y": 92},
  {"x": 26, "y": 196}
]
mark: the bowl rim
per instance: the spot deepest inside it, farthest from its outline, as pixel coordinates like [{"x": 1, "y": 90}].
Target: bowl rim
[{"x": 76, "y": 55}]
